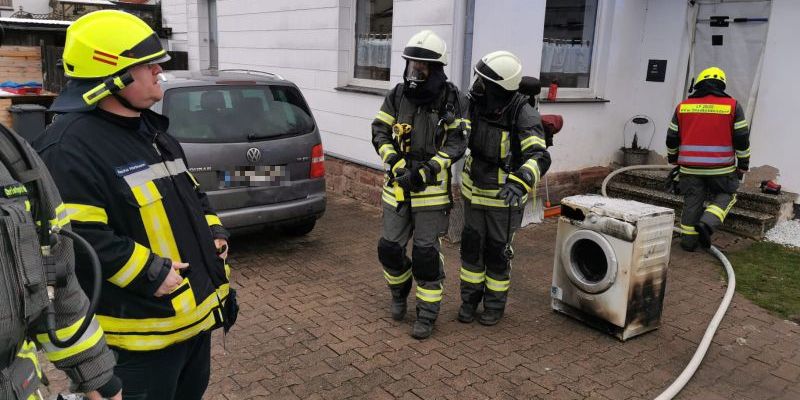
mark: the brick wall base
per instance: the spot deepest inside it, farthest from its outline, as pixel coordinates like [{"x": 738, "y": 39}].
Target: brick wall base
[{"x": 364, "y": 183}]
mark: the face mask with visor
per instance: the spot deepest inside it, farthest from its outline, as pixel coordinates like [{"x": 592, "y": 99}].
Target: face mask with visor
[{"x": 416, "y": 73}]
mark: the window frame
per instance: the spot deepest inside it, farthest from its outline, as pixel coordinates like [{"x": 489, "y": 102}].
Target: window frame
[
  {"x": 351, "y": 69},
  {"x": 599, "y": 62}
]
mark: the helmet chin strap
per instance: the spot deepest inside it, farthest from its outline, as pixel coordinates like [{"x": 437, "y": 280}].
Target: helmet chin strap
[{"x": 127, "y": 104}]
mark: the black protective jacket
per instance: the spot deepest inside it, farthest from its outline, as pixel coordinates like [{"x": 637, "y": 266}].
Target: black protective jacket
[
  {"x": 509, "y": 146},
  {"x": 129, "y": 193},
  {"x": 431, "y": 139}
]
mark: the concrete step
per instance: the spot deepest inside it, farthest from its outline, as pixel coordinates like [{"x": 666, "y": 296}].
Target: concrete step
[
  {"x": 747, "y": 223},
  {"x": 751, "y": 199}
]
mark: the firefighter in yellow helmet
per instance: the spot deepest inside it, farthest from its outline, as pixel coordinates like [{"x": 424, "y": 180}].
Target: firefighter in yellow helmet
[
  {"x": 420, "y": 130},
  {"x": 128, "y": 192},
  {"x": 709, "y": 139}
]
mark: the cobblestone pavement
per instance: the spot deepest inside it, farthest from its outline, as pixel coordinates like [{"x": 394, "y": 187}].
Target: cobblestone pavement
[{"x": 314, "y": 324}]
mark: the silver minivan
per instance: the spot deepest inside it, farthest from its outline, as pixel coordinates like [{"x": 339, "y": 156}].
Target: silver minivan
[{"x": 252, "y": 144}]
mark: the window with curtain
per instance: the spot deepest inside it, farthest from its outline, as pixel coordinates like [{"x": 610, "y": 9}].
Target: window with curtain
[
  {"x": 373, "y": 42},
  {"x": 569, "y": 27}
]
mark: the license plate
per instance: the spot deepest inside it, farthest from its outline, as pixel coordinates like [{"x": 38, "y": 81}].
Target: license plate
[{"x": 254, "y": 176}]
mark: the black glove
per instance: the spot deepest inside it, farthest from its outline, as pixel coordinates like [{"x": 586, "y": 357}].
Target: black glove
[
  {"x": 418, "y": 180},
  {"x": 428, "y": 173},
  {"x": 511, "y": 193},
  {"x": 671, "y": 184},
  {"x": 403, "y": 177},
  {"x": 672, "y": 158},
  {"x": 392, "y": 160},
  {"x": 742, "y": 166}
]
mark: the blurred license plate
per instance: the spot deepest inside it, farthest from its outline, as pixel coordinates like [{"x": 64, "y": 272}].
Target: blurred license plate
[{"x": 250, "y": 176}]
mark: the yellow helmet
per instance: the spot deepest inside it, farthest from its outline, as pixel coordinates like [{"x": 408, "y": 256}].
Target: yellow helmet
[
  {"x": 105, "y": 42},
  {"x": 711, "y": 73},
  {"x": 102, "y": 46}
]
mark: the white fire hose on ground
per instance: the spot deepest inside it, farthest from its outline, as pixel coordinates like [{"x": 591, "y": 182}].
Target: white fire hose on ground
[{"x": 700, "y": 353}]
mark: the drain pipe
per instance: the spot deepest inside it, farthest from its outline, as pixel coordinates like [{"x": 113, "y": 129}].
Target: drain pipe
[{"x": 700, "y": 353}]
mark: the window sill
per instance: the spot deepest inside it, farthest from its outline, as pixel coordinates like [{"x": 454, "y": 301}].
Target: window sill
[
  {"x": 575, "y": 100},
  {"x": 363, "y": 90}
]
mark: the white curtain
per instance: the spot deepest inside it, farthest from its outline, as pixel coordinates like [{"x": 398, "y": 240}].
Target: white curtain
[
  {"x": 566, "y": 58},
  {"x": 374, "y": 51}
]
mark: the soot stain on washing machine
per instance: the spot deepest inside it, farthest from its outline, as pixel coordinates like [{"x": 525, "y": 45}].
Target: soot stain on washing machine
[
  {"x": 646, "y": 300},
  {"x": 573, "y": 214}
]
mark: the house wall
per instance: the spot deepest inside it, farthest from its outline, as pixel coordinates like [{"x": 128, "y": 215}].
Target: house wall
[
  {"x": 774, "y": 137},
  {"x": 310, "y": 43}
]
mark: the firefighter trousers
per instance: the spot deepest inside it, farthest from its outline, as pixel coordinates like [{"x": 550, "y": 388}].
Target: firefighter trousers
[
  {"x": 485, "y": 270},
  {"x": 426, "y": 264},
  {"x": 178, "y": 372},
  {"x": 719, "y": 190}
]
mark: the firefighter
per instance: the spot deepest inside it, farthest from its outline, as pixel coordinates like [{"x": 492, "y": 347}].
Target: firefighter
[
  {"x": 88, "y": 362},
  {"x": 128, "y": 192},
  {"x": 709, "y": 139},
  {"x": 420, "y": 130},
  {"x": 507, "y": 159}
]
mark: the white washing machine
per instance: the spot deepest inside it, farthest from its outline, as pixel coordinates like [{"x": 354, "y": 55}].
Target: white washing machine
[{"x": 611, "y": 259}]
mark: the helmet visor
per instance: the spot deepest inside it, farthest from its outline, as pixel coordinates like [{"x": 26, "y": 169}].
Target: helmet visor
[
  {"x": 417, "y": 71},
  {"x": 478, "y": 88},
  {"x": 148, "y": 50}
]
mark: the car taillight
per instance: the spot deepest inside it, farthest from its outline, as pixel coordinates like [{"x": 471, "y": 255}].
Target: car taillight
[{"x": 317, "y": 162}]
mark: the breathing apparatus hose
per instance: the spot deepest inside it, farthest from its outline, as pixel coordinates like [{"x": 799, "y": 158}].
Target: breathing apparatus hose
[
  {"x": 96, "y": 287},
  {"x": 705, "y": 342}
]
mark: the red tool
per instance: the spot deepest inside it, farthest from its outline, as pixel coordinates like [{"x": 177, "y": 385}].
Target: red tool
[{"x": 770, "y": 187}]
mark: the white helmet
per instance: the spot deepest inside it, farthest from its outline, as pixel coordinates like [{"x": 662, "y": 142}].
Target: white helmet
[
  {"x": 501, "y": 67},
  {"x": 426, "y": 46}
]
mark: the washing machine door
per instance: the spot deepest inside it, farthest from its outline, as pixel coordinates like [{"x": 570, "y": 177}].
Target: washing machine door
[{"x": 589, "y": 261}]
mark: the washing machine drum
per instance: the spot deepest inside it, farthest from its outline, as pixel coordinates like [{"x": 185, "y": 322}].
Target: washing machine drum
[{"x": 589, "y": 261}]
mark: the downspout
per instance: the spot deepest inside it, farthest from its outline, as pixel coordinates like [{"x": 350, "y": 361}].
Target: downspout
[{"x": 213, "y": 36}]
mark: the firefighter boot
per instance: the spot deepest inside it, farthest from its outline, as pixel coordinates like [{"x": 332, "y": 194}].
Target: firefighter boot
[
  {"x": 704, "y": 233},
  {"x": 398, "y": 306},
  {"x": 689, "y": 243},
  {"x": 422, "y": 329},
  {"x": 466, "y": 313},
  {"x": 490, "y": 317}
]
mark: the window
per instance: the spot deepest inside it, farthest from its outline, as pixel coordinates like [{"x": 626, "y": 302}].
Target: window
[
  {"x": 373, "y": 41},
  {"x": 236, "y": 114},
  {"x": 6, "y": 4},
  {"x": 569, "y": 39}
]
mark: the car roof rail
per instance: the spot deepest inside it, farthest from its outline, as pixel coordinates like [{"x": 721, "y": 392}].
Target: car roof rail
[{"x": 252, "y": 72}]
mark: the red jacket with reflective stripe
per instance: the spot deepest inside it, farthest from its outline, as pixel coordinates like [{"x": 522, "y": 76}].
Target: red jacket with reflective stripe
[{"x": 706, "y": 130}]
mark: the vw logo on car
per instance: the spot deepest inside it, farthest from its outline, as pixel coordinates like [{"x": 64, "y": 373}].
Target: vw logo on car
[{"x": 253, "y": 155}]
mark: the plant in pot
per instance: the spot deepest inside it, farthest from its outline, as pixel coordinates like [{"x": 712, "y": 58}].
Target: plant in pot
[{"x": 635, "y": 154}]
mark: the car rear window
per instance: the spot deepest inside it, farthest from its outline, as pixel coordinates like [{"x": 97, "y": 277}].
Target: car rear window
[{"x": 236, "y": 113}]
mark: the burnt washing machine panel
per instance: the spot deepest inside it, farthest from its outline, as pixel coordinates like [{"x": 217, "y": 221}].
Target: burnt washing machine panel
[{"x": 611, "y": 259}]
